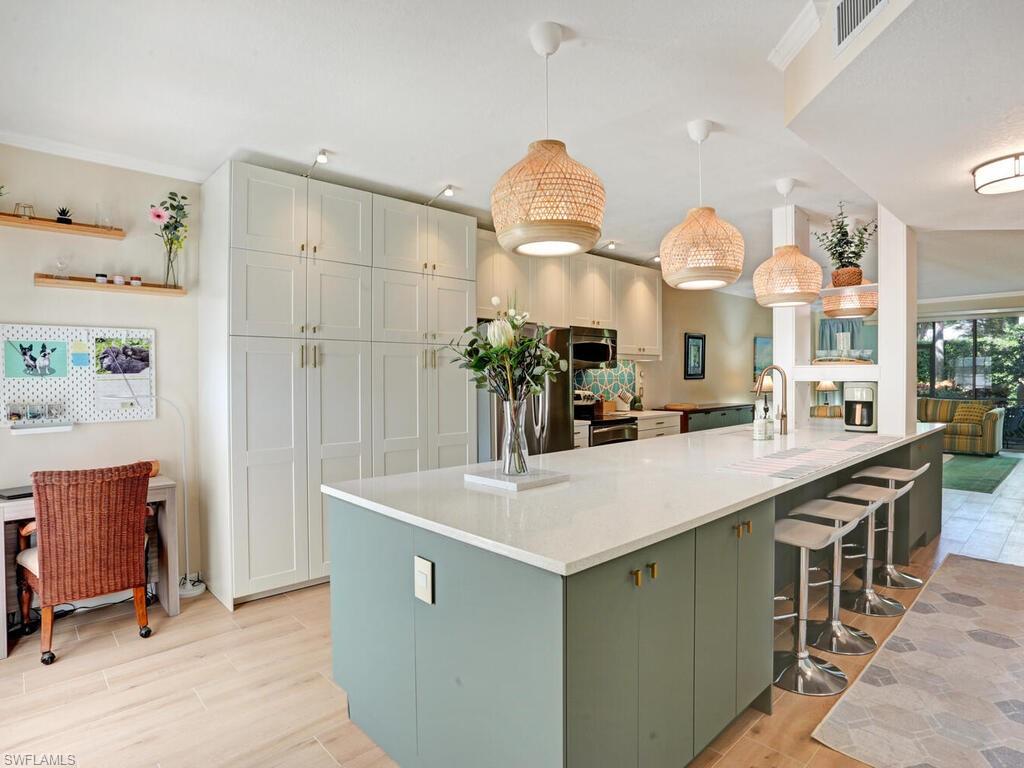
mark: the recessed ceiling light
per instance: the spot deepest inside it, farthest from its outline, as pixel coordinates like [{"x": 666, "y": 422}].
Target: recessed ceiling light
[
  {"x": 321, "y": 157},
  {"x": 996, "y": 177}
]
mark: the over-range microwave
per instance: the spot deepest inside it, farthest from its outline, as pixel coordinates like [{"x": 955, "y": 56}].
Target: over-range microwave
[{"x": 593, "y": 347}]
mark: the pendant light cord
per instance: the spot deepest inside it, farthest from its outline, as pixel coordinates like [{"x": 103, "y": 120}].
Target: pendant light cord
[
  {"x": 547, "y": 99},
  {"x": 700, "y": 177}
]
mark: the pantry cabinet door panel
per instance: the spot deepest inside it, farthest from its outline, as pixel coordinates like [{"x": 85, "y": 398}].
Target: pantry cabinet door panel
[
  {"x": 399, "y": 306},
  {"x": 549, "y": 290},
  {"x": 602, "y": 278},
  {"x": 452, "y": 412},
  {"x": 449, "y": 308},
  {"x": 581, "y": 290},
  {"x": 339, "y": 300},
  {"x": 399, "y": 386},
  {"x": 625, "y": 299},
  {"x": 268, "y": 210},
  {"x": 268, "y": 294},
  {"x": 487, "y": 285},
  {"x": 400, "y": 235},
  {"x": 452, "y": 244},
  {"x": 340, "y": 223},
  {"x": 339, "y": 425}
]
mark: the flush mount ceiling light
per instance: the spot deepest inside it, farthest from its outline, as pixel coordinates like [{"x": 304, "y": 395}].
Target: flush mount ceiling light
[
  {"x": 704, "y": 251},
  {"x": 999, "y": 176},
  {"x": 788, "y": 278},
  {"x": 547, "y": 204}
]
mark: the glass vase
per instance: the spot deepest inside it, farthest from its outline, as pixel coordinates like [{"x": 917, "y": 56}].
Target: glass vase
[
  {"x": 513, "y": 441},
  {"x": 171, "y": 268}
]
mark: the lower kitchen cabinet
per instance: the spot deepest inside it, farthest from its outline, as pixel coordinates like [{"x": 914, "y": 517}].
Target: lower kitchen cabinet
[
  {"x": 732, "y": 617},
  {"x": 635, "y": 663}
]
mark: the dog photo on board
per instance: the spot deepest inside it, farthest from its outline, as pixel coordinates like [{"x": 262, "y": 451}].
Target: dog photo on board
[{"x": 29, "y": 358}]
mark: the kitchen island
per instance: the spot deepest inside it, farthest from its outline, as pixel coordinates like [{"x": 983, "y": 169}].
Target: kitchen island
[{"x": 622, "y": 618}]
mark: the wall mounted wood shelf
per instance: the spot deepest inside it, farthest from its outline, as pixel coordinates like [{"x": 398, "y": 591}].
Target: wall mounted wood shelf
[
  {"x": 50, "y": 225},
  {"x": 43, "y": 280}
]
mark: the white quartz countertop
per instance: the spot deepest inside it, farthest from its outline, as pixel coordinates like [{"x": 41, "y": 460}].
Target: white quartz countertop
[{"x": 618, "y": 498}]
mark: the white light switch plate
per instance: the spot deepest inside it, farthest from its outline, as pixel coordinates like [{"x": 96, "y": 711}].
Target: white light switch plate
[{"x": 423, "y": 579}]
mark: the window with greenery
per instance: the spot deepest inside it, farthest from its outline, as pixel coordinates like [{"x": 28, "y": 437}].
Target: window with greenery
[{"x": 976, "y": 359}]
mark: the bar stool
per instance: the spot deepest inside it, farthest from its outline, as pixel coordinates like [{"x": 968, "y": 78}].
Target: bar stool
[
  {"x": 865, "y": 600},
  {"x": 831, "y": 634},
  {"x": 797, "y": 671},
  {"x": 886, "y": 573}
]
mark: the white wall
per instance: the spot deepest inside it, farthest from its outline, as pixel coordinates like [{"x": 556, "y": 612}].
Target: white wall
[{"x": 48, "y": 181}]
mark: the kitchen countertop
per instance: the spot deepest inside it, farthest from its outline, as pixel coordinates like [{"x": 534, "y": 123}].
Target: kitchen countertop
[{"x": 618, "y": 498}]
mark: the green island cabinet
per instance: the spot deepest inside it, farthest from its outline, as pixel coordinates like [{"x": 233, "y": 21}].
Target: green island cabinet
[{"x": 639, "y": 661}]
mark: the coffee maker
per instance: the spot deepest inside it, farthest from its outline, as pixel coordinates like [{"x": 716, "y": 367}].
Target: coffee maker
[{"x": 860, "y": 406}]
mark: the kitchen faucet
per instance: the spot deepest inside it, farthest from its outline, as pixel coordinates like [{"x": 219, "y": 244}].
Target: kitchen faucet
[{"x": 783, "y": 418}]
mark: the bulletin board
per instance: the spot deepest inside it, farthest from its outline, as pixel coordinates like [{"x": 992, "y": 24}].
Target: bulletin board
[{"x": 77, "y": 374}]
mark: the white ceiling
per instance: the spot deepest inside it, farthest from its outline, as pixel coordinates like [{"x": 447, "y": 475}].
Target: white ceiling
[
  {"x": 414, "y": 95},
  {"x": 968, "y": 263},
  {"x": 938, "y": 92}
]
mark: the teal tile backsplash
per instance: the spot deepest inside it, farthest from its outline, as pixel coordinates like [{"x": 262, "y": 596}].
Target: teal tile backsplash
[{"x": 607, "y": 383}]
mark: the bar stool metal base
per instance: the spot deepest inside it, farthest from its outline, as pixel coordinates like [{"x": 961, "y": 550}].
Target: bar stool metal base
[
  {"x": 808, "y": 676},
  {"x": 888, "y": 576},
  {"x": 870, "y": 603},
  {"x": 835, "y": 637}
]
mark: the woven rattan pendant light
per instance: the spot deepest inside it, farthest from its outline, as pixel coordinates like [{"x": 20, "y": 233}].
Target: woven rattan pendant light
[
  {"x": 789, "y": 278},
  {"x": 547, "y": 204},
  {"x": 704, "y": 251}
]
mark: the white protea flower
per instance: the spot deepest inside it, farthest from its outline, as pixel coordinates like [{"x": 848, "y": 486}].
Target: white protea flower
[{"x": 500, "y": 333}]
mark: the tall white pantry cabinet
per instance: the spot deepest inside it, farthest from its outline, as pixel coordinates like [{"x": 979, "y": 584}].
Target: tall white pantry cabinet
[{"x": 323, "y": 315}]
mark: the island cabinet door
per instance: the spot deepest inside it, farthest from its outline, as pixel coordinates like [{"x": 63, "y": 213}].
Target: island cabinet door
[
  {"x": 489, "y": 661},
  {"x": 715, "y": 628},
  {"x": 755, "y": 603}
]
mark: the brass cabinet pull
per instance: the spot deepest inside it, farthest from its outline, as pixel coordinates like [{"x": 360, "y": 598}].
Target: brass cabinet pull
[
  {"x": 314, "y": 355},
  {"x": 302, "y": 247},
  {"x": 314, "y": 250},
  {"x": 424, "y": 265},
  {"x": 749, "y": 525},
  {"x": 424, "y": 358},
  {"x": 433, "y": 360},
  {"x": 316, "y": 328},
  {"x": 302, "y": 356},
  {"x": 739, "y": 531},
  {"x": 302, "y": 329},
  {"x": 638, "y": 577},
  {"x": 434, "y": 267},
  {"x": 652, "y": 568}
]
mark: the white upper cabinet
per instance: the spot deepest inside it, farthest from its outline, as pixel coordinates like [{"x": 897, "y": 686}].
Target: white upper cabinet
[
  {"x": 268, "y": 210},
  {"x": 638, "y": 310},
  {"x": 337, "y": 300},
  {"x": 339, "y": 429},
  {"x": 451, "y": 246},
  {"x": 268, "y": 464},
  {"x": 590, "y": 279},
  {"x": 451, "y": 417},
  {"x": 400, "y": 235},
  {"x": 549, "y": 290},
  {"x": 268, "y": 294},
  {"x": 503, "y": 275},
  {"x": 449, "y": 308},
  {"x": 340, "y": 223},
  {"x": 400, "y": 402},
  {"x": 399, "y": 306}
]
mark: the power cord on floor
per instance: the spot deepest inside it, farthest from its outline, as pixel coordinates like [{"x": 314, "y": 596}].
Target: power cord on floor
[{"x": 61, "y": 612}]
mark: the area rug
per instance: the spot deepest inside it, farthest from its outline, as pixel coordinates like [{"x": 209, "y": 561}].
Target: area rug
[
  {"x": 946, "y": 690},
  {"x": 976, "y": 473}
]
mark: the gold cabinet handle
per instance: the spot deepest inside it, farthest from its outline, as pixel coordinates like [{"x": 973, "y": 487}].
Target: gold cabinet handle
[
  {"x": 424, "y": 265},
  {"x": 314, "y": 355},
  {"x": 739, "y": 531},
  {"x": 434, "y": 267},
  {"x": 749, "y": 525},
  {"x": 302, "y": 247},
  {"x": 435, "y": 359},
  {"x": 315, "y": 328},
  {"x": 314, "y": 250},
  {"x": 302, "y": 329},
  {"x": 638, "y": 577},
  {"x": 424, "y": 358},
  {"x": 652, "y": 569},
  {"x": 302, "y": 356}
]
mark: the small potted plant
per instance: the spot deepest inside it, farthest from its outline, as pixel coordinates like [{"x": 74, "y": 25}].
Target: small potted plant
[
  {"x": 845, "y": 248},
  {"x": 64, "y": 215}
]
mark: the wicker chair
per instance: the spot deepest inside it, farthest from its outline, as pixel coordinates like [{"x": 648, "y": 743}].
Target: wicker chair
[{"x": 90, "y": 526}]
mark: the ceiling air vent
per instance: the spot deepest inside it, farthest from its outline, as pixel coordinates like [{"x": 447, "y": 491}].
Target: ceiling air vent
[{"x": 852, "y": 16}]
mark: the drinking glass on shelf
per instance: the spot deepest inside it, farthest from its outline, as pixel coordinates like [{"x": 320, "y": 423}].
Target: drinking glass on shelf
[{"x": 63, "y": 268}]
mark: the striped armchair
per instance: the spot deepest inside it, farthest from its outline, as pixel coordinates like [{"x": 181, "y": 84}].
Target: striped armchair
[{"x": 985, "y": 439}]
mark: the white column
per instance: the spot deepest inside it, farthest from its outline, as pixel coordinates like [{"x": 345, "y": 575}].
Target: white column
[
  {"x": 897, "y": 318},
  {"x": 791, "y": 326}
]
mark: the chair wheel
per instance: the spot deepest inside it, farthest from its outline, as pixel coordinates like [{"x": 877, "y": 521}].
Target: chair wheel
[
  {"x": 27, "y": 629},
  {"x": 145, "y": 631},
  {"x": 48, "y": 658}
]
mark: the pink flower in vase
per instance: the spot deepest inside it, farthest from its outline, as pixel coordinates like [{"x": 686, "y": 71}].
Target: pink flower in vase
[{"x": 158, "y": 215}]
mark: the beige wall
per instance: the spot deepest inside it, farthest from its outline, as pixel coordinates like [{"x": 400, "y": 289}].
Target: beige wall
[
  {"x": 47, "y": 181},
  {"x": 730, "y": 324}
]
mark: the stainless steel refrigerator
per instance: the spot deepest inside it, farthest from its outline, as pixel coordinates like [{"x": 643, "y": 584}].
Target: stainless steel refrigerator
[{"x": 549, "y": 414}]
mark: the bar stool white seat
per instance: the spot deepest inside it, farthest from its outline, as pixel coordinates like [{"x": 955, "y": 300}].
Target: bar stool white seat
[
  {"x": 887, "y": 574},
  {"x": 866, "y": 600},
  {"x": 831, "y": 634},
  {"x": 797, "y": 671}
]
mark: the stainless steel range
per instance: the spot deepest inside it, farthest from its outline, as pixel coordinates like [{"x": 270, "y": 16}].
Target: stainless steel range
[{"x": 607, "y": 428}]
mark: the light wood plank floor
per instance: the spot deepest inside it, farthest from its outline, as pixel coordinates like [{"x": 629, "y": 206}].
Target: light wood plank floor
[{"x": 253, "y": 688}]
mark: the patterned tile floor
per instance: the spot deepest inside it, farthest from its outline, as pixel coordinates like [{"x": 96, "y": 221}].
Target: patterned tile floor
[{"x": 985, "y": 526}]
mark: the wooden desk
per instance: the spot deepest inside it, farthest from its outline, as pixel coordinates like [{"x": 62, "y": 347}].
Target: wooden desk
[{"x": 162, "y": 494}]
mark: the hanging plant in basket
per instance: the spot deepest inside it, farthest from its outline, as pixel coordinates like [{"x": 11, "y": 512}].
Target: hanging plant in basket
[{"x": 845, "y": 248}]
